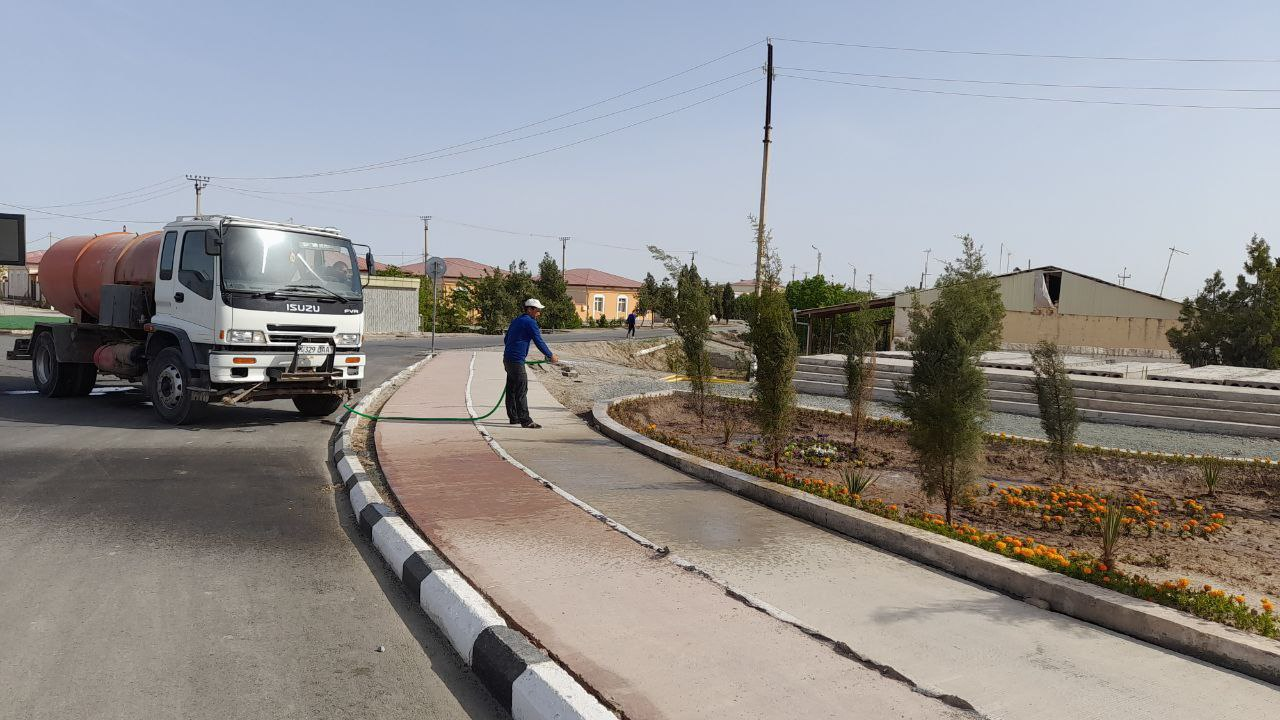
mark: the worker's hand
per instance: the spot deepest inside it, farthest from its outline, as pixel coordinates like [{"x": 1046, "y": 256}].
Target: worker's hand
[{"x": 555, "y": 359}]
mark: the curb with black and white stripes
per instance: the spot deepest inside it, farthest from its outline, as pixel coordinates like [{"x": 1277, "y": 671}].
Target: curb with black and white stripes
[{"x": 523, "y": 678}]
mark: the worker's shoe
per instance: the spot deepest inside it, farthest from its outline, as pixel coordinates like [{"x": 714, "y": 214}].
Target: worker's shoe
[{"x": 530, "y": 425}]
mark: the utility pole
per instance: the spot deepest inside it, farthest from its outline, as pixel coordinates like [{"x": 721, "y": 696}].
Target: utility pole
[
  {"x": 869, "y": 290},
  {"x": 426, "y": 251},
  {"x": 819, "y": 270},
  {"x": 1169, "y": 264},
  {"x": 1124, "y": 275},
  {"x": 925, "y": 275},
  {"x": 1010, "y": 262},
  {"x": 201, "y": 183},
  {"x": 854, "y": 284},
  {"x": 999, "y": 260},
  {"x": 793, "y": 274},
  {"x": 693, "y": 258},
  {"x": 564, "y": 243},
  {"x": 764, "y": 165}
]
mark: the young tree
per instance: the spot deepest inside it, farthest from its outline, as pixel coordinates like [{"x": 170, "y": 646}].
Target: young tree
[
  {"x": 859, "y": 368},
  {"x": 727, "y": 302},
  {"x": 648, "y": 297},
  {"x": 1057, "y": 400},
  {"x": 692, "y": 320},
  {"x": 551, "y": 288},
  {"x": 945, "y": 395},
  {"x": 773, "y": 342},
  {"x": 490, "y": 298}
]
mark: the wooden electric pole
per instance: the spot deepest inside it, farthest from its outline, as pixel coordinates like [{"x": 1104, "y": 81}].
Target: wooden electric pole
[{"x": 764, "y": 165}]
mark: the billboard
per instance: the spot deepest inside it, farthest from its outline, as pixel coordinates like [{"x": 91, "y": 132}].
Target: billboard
[{"x": 13, "y": 239}]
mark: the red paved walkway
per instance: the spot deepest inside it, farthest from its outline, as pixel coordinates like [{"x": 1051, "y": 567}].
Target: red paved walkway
[{"x": 654, "y": 640}]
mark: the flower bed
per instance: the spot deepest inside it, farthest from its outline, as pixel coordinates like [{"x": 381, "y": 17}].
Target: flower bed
[{"x": 1059, "y": 507}]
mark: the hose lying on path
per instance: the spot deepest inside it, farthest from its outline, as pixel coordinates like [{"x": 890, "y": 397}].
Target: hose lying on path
[{"x": 394, "y": 418}]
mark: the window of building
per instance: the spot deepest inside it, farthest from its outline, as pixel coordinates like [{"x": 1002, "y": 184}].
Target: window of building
[
  {"x": 622, "y": 305},
  {"x": 195, "y": 270},
  {"x": 599, "y": 305}
]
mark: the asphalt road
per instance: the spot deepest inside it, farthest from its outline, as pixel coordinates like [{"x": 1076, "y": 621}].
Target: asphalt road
[{"x": 203, "y": 572}]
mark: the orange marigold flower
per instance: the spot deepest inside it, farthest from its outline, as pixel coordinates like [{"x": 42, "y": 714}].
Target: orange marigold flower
[
  {"x": 1102, "y": 567},
  {"x": 1087, "y": 570},
  {"x": 1001, "y": 546},
  {"x": 1183, "y": 583}
]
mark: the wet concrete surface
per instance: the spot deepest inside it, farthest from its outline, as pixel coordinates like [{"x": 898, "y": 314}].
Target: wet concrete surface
[
  {"x": 652, "y": 639},
  {"x": 1005, "y": 657}
]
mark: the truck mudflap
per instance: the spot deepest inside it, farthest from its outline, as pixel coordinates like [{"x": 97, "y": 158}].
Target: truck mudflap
[{"x": 21, "y": 350}]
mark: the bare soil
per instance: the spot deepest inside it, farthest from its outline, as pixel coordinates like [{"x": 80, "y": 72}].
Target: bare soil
[{"x": 1244, "y": 557}]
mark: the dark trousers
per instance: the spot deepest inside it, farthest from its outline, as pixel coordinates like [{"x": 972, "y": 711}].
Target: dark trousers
[
  {"x": 517, "y": 392},
  {"x": 631, "y": 330}
]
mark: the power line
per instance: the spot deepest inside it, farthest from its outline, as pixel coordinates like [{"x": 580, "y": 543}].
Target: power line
[
  {"x": 393, "y": 162},
  {"x": 1042, "y": 56},
  {"x": 440, "y": 156},
  {"x": 105, "y": 198},
  {"x": 1034, "y": 84},
  {"x": 82, "y": 217},
  {"x": 1079, "y": 101},
  {"x": 502, "y": 162}
]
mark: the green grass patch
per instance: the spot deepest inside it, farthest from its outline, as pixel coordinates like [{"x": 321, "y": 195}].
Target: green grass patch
[{"x": 26, "y": 322}]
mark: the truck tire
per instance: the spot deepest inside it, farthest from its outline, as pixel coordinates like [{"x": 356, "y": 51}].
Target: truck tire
[
  {"x": 317, "y": 405},
  {"x": 169, "y": 387},
  {"x": 52, "y": 378}
]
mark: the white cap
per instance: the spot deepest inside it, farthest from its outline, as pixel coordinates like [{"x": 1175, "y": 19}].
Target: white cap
[{"x": 534, "y": 303}]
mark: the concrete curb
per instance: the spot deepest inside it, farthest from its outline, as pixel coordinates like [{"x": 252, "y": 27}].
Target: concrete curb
[
  {"x": 1251, "y": 655},
  {"x": 523, "y": 678}
]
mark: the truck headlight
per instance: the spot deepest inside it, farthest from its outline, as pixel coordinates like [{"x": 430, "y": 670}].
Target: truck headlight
[
  {"x": 247, "y": 337},
  {"x": 349, "y": 339}
]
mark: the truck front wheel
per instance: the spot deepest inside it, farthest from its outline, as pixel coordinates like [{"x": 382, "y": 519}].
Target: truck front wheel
[
  {"x": 58, "y": 379},
  {"x": 169, "y": 386},
  {"x": 317, "y": 405}
]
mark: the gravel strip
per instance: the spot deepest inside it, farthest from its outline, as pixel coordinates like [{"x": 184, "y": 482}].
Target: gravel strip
[{"x": 603, "y": 381}]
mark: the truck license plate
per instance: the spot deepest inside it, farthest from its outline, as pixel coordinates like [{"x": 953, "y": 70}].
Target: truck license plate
[{"x": 315, "y": 349}]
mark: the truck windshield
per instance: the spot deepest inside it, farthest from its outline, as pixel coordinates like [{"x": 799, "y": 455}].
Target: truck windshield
[{"x": 263, "y": 260}]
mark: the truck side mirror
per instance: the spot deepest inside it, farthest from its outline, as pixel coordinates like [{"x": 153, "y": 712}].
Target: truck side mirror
[
  {"x": 212, "y": 242},
  {"x": 368, "y": 267}
]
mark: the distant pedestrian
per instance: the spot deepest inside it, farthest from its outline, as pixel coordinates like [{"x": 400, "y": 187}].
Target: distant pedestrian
[
  {"x": 520, "y": 333},
  {"x": 631, "y": 324}
]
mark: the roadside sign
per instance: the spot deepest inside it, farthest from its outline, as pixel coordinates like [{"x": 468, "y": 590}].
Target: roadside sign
[
  {"x": 13, "y": 239},
  {"x": 436, "y": 268}
]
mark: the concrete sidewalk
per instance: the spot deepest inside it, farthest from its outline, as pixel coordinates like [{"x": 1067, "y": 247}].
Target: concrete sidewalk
[
  {"x": 654, "y": 640},
  {"x": 1008, "y": 659}
]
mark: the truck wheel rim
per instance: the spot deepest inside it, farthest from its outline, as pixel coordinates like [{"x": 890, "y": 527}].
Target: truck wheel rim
[
  {"x": 169, "y": 387},
  {"x": 44, "y": 365}
]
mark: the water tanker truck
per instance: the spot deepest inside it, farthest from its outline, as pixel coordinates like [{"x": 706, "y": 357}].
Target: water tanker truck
[{"x": 209, "y": 309}]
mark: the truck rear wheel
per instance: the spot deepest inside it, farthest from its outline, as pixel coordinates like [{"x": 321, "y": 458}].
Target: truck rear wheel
[
  {"x": 169, "y": 387},
  {"x": 317, "y": 405},
  {"x": 53, "y": 378}
]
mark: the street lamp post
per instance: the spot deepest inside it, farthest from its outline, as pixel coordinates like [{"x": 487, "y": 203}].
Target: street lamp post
[{"x": 819, "y": 270}]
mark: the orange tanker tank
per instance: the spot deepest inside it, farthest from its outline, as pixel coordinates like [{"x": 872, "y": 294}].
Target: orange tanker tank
[{"x": 73, "y": 271}]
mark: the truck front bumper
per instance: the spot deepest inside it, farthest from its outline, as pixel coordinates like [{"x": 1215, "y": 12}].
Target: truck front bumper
[{"x": 346, "y": 369}]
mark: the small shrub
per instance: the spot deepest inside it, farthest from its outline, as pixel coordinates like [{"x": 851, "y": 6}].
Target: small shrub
[
  {"x": 1112, "y": 526},
  {"x": 1211, "y": 473},
  {"x": 730, "y": 419},
  {"x": 858, "y": 479}
]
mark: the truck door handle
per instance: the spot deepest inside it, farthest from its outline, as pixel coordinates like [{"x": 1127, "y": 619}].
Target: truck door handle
[{"x": 179, "y": 297}]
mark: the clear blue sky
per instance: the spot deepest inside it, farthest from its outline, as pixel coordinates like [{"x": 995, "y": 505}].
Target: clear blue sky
[{"x": 106, "y": 97}]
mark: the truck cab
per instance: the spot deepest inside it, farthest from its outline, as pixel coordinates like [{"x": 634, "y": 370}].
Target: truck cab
[{"x": 238, "y": 310}]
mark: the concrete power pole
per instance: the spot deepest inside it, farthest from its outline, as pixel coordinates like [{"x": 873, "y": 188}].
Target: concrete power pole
[
  {"x": 1169, "y": 264},
  {"x": 426, "y": 250},
  {"x": 854, "y": 268},
  {"x": 764, "y": 165},
  {"x": 564, "y": 243},
  {"x": 925, "y": 275},
  {"x": 1124, "y": 275},
  {"x": 201, "y": 183},
  {"x": 818, "y": 271}
]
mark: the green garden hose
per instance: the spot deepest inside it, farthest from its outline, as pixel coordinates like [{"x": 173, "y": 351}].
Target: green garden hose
[{"x": 496, "y": 405}]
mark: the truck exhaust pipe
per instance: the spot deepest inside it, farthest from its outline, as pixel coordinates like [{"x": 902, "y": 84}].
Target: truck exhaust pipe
[{"x": 122, "y": 359}]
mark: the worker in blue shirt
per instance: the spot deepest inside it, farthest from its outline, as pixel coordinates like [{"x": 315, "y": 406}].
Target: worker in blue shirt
[{"x": 522, "y": 330}]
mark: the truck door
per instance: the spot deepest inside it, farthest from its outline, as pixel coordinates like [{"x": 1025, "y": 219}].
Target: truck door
[
  {"x": 164, "y": 278},
  {"x": 191, "y": 296}
]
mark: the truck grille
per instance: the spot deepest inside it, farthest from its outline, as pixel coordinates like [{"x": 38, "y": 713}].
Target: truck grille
[{"x": 296, "y": 333}]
